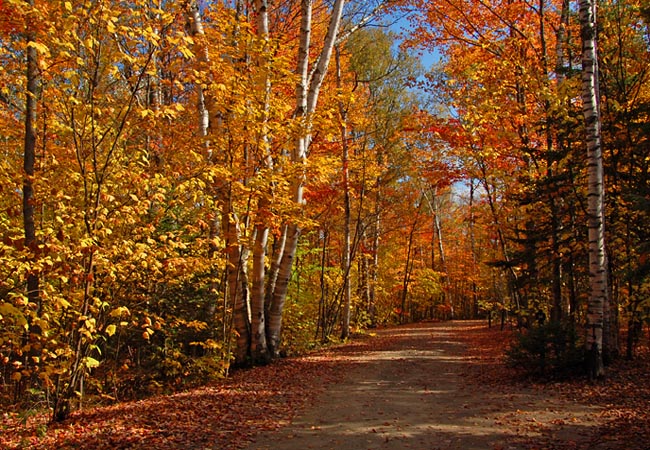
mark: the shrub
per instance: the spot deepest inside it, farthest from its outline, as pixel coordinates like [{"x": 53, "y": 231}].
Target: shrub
[{"x": 551, "y": 349}]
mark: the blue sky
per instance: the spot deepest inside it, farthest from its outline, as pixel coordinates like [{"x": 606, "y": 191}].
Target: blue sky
[{"x": 427, "y": 58}]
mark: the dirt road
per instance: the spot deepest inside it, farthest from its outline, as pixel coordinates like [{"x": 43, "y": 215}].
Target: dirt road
[{"x": 410, "y": 390}]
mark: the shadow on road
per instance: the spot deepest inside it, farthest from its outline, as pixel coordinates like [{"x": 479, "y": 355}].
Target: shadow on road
[{"x": 405, "y": 389}]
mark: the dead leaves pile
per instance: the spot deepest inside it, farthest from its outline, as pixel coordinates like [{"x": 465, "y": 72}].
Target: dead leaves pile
[
  {"x": 229, "y": 414},
  {"x": 224, "y": 415},
  {"x": 623, "y": 397}
]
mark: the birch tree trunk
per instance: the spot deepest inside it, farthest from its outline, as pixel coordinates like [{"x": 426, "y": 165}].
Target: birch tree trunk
[
  {"x": 236, "y": 280},
  {"x": 598, "y": 296},
  {"x": 307, "y": 92},
  {"x": 272, "y": 275},
  {"x": 259, "y": 348},
  {"x": 204, "y": 57}
]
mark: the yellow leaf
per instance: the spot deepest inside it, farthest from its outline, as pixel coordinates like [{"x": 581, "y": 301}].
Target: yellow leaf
[
  {"x": 63, "y": 303},
  {"x": 117, "y": 312},
  {"x": 110, "y": 27},
  {"x": 40, "y": 48},
  {"x": 68, "y": 6},
  {"x": 90, "y": 362},
  {"x": 90, "y": 324},
  {"x": 110, "y": 330},
  {"x": 186, "y": 52}
]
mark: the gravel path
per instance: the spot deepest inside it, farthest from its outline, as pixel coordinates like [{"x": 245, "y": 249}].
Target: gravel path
[{"x": 408, "y": 391}]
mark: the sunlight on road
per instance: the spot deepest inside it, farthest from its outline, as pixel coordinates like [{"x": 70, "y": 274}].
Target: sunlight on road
[{"x": 406, "y": 388}]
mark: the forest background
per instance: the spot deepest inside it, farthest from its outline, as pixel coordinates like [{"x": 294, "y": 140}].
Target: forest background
[{"x": 191, "y": 186}]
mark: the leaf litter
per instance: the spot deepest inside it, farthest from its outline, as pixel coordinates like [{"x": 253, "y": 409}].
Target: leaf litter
[{"x": 229, "y": 414}]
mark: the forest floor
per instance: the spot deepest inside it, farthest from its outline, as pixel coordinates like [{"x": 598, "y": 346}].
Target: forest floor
[{"x": 422, "y": 386}]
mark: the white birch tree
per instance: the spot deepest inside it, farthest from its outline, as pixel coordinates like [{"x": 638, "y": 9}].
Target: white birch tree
[
  {"x": 259, "y": 347},
  {"x": 307, "y": 92},
  {"x": 258, "y": 319},
  {"x": 598, "y": 293}
]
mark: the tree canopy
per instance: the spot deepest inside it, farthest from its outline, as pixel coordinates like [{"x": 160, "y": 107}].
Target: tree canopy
[{"x": 190, "y": 186}]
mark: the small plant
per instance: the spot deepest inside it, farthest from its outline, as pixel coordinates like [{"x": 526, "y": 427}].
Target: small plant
[{"x": 550, "y": 349}]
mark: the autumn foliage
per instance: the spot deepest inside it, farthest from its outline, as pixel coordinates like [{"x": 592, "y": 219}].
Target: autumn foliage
[{"x": 209, "y": 193}]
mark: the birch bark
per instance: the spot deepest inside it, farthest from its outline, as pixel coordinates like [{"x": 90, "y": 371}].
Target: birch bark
[
  {"x": 598, "y": 293},
  {"x": 204, "y": 57},
  {"x": 236, "y": 276},
  {"x": 259, "y": 347},
  {"x": 307, "y": 92}
]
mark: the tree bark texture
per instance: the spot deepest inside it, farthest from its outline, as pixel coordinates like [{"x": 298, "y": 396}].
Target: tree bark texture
[
  {"x": 29, "y": 161},
  {"x": 259, "y": 347},
  {"x": 307, "y": 92},
  {"x": 598, "y": 295},
  {"x": 346, "y": 262}
]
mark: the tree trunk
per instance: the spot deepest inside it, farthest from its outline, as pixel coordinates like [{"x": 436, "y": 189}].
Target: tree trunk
[
  {"x": 259, "y": 347},
  {"x": 598, "y": 295},
  {"x": 409, "y": 264},
  {"x": 272, "y": 274},
  {"x": 501, "y": 239},
  {"x": 307, "y": 92},
  {"x": 204, "y": 57},
  {"x": 345, "y": 263},
  {"x": 433, "y": 205},
  {"x": 374, "y": 265},
  {"x": 281, "y": 289},
  {"x": 236, "y": 295},
  {"x": 557, "y": 309},
  {"x": 472, "y": 240},
  {"x": 321, "y": 325},
  {"x": 29, "y": 161}
]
